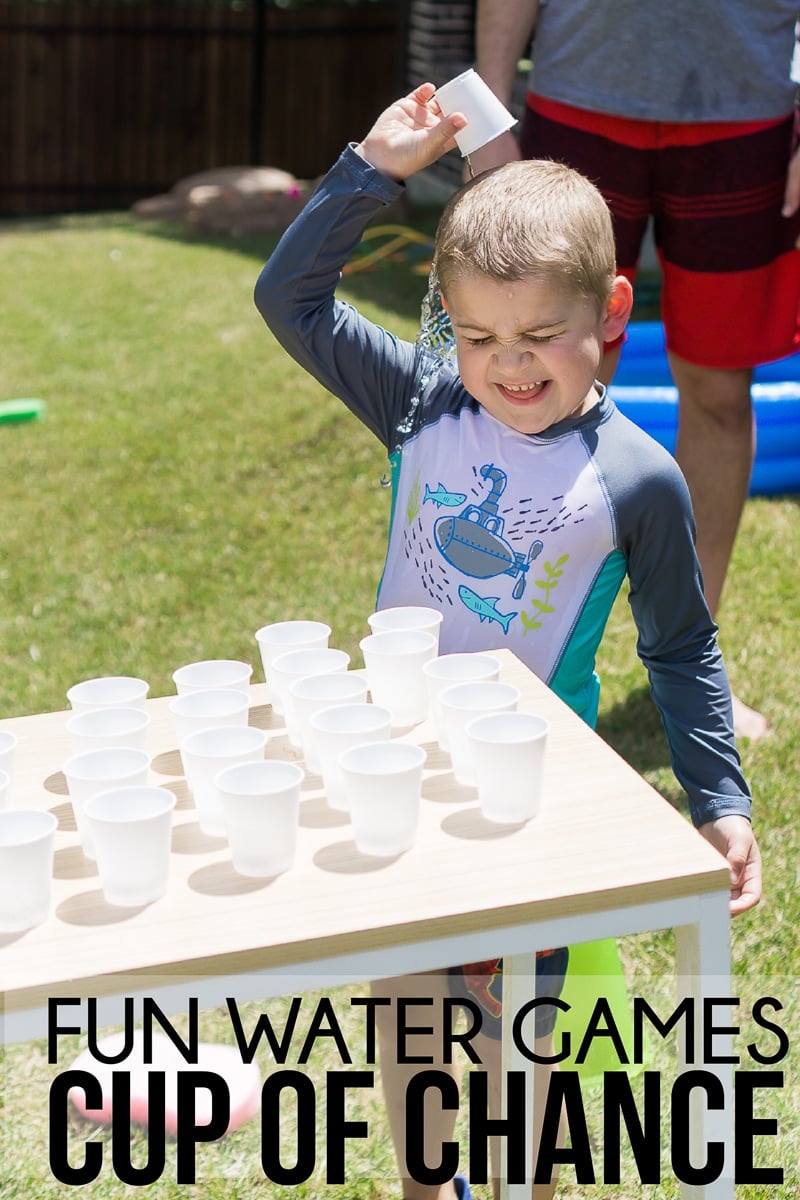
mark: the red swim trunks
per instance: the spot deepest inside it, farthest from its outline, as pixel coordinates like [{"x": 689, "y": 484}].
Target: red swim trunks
[
  {"x": 482, "y": 983},
  {"x": 730, "y": 272}
]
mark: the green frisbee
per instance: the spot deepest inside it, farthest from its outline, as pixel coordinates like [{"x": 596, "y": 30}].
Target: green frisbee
[{"x": 25, "y": 409}]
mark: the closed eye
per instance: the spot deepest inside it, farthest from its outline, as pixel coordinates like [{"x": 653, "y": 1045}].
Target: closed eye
[{"x": 536, "y": 339}]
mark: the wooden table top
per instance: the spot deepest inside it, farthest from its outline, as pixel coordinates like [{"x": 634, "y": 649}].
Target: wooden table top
[{"x": 603, "y": 839}]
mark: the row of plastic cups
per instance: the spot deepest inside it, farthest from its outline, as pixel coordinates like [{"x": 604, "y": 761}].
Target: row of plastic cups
[
  {"x": 252, "y": 801},
  {"x": 27, "y": 836},
  {"x": 378, "y": 781},
  {"x": 335, "y": 723},
  {"x": 111, "y": 710},
  {"x": 256, "y": 801},
  {"x": 401, "y": 639},
  {"x": 408, "y": 679},
  {"x": 260, "y": 801},
  {"x": 381, "y": 789},
  {"x": 126, "y": 691}
]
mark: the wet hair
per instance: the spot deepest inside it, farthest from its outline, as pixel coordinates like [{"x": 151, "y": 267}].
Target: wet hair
[{"x": 533, "y": 219}]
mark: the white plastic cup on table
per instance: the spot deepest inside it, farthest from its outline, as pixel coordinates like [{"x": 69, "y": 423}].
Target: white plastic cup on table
[
  {"x": 8, "y": 751},
  {"x": 411, "y": 616},
  {"x": 383, "y": 782},
  {"x": 261, "y": 807},
  {"x": 338, "y": 728},
  {"x": 95, "y": 771},
  {"x": 100, "y": 728},
  {"x": 132, "y": 834},
  {"x": 108, "y": 691},
  {"x": 289, "y": 668},
  {"x": 461, "y": 703},
  {"x": 486, "y": 117},
  {"x": 206, "y": 709},
  {"x": 394, "y": 660},
  {"x": 212, "y": 673},
  {"x": 27, "y": 847},
  {"x": 205, "y": 753},
  {"x": 282, "y": 636},
  {"x": 508, "y": 751},
  {"x": 315, "y": 692},
  {"x": 449, "y": 669}
]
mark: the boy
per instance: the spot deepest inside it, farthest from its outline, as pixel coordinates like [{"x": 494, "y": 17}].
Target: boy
[{"x": 521, "y": 497}]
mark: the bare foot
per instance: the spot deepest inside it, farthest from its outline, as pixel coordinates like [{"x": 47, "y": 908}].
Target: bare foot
[{"x": 747, "y": 723}]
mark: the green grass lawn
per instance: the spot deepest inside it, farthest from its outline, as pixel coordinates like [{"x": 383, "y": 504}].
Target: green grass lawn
[{"x": 189, "y": 484}]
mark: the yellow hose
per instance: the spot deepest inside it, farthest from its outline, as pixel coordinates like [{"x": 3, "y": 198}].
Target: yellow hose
[{"x": 399, "y": 236}]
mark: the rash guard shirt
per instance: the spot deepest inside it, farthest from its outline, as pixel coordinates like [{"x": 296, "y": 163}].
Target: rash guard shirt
[{"x": 522, "y": 541}]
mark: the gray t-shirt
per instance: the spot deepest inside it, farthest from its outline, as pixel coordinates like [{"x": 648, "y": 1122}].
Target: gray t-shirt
[{"x": 683, "y": 61}]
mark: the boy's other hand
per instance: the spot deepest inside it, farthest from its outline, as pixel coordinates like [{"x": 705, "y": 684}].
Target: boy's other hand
[
  {"x": 410, "y": 134},
  {"x": 733, "y": 836}
]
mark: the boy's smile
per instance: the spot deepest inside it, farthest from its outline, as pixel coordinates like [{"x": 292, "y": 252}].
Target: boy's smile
[{"x": 529, "y": 352}]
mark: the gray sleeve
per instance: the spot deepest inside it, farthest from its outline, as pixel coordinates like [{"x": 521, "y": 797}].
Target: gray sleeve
[
  {"x": 676, "y": 635},
  {"x": 373, "y": 372}
]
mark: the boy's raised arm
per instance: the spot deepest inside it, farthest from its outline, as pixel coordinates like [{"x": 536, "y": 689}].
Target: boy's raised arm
[{"x": 411, "y": 134}]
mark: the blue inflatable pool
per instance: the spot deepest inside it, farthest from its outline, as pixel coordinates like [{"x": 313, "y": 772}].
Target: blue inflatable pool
[{"x": 644, "y": 391}]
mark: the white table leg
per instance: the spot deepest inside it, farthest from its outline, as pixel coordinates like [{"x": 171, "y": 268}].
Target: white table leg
[
  {"x": 519, "y": 976},
  {"x": 704, "y": 972}
]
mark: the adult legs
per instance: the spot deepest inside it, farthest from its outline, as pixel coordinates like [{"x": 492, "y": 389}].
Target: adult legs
[
  {"x": 490, "y": 1050},
  {"x": 427, "y": 1046},
  {"x": 715, "y": 449},
  {"x": 438, "y": 1121}
]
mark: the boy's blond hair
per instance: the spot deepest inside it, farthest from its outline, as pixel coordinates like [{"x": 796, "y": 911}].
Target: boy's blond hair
[{"x": 529, "y": 219}]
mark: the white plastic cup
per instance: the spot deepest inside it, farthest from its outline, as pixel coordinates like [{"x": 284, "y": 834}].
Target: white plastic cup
[
  {"x": 289, "y": 668},
  {"x": 461, "y": 703},
  {"x": 508, "y": 757},
  {"x": 486, "y": 117},
  {"x": 27, "y": 847},
  {"x": 394, "y": 660},
  {"x": 205, "y": 753},
  {"x": 411, "y": 616},
  {"x": 283, "y": 636},
  {"x": 335, "y": 730},
  {"x": 206, "y": 709},
  {"x": 96, "y": 771},
  {"x": 315, "y": 692},
  {"x": 132, "y": 834},
  {"x": 5, "y": 789},
  {"x": 108, "y": 691},
  {"x": 449, "y": 669},
  {"x": 383, "y": 782},
  {"x": 8, "y": 751},
  {"x": 212, "y": 673},
  {"x": 261, "y": 807},
  {"x": 100, "y": 728}
]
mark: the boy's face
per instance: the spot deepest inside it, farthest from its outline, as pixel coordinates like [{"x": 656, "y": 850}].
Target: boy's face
[{"x": 529, "y": 352}]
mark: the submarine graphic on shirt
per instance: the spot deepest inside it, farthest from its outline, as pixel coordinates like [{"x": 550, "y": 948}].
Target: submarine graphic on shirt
[
  {"x": 470, "y": 536},
  {"x": 507, "y": 535}
]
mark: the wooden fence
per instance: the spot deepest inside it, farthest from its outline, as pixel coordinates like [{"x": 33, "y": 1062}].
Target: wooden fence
[{"x": 102, "y": 104}]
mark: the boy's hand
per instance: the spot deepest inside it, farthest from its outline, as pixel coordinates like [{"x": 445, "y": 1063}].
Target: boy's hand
[
  {"x": 410, "y": 135},
  {"x": 733, "y": 837}
]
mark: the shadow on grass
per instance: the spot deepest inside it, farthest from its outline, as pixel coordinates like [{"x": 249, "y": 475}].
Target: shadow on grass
[
  {"x": 397, "y": 283},
  {"x": 633, "y": 727}
]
